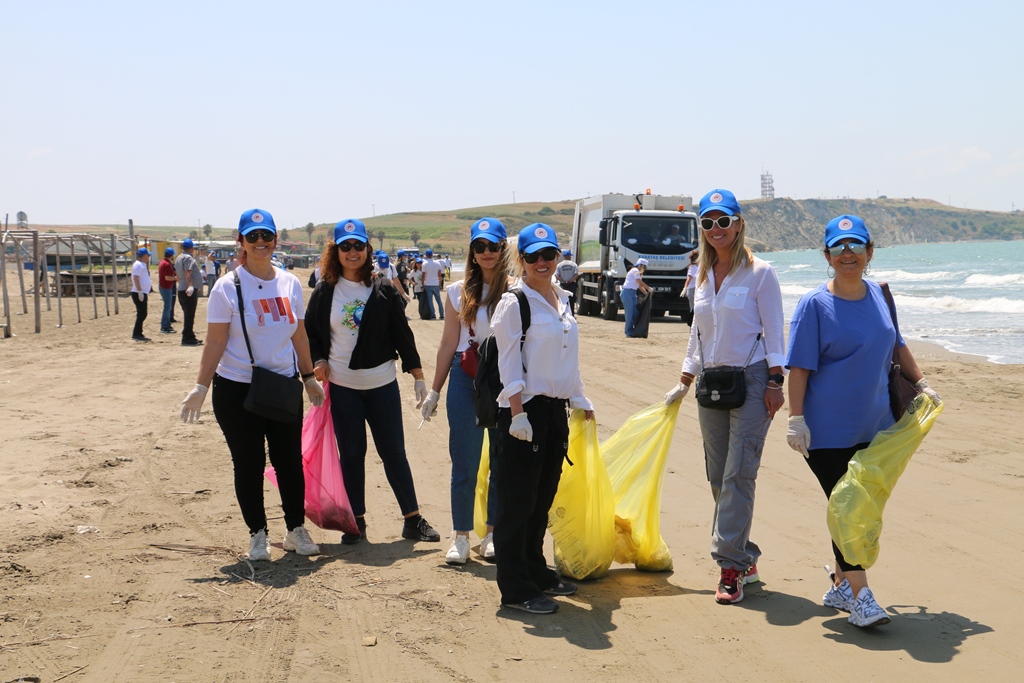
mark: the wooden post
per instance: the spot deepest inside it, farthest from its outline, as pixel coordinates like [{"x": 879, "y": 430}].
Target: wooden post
[
  {"x": 74, "y": 280},
  {"x": 92, "y": 278},
  {"x": 39, "y": 283},
  {"x": 103, "y": 270},
  {"x": 60, "y": 286},
  {"x": 46, "y": 271},
  {"x": 113, "y": 271},
  {"x": 21, "y": 274},
  {"x": 3, "y": 280}
]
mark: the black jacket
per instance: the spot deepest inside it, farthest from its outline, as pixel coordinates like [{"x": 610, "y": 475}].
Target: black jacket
[{"x": 384, "y": 333}]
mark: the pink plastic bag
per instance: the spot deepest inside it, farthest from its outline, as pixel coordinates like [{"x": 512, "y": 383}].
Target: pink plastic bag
[{"x": 327, "y": 503}]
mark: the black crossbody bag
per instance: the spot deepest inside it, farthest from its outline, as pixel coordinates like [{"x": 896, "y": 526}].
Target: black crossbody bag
[
  {"x": 722, "y": 388},
  {"x": 271, "y": 395}
]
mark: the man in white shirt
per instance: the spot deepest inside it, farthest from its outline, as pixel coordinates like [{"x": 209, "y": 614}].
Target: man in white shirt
[
  {"x": 211, "y": 272},
  {"x": 566, "y": 273},
  {"x": 142, "y": 285},
  {"x": 433, "y": 276}
]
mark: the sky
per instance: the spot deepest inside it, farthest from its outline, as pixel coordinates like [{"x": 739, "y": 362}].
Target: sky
[{"x": 187, "y": 113}]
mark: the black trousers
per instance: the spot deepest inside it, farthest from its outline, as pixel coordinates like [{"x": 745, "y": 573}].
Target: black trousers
[
  {"x": 829, "y": 466},
  {"x": 525, "y": 476},
  {"x": 141, "y": 311},
  {"x": 250, "y": 437},
  {"x": 188, "y": 312}
]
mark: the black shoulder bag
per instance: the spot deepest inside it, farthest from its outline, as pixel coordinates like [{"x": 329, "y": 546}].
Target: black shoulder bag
[
  {"x": 902, "y": 391},
  {"x": 271, "y": 395},
  {"x": 722, "y": 388}
]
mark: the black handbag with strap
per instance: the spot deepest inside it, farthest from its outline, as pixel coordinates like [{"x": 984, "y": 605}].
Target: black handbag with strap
[
  {"x": 902, "y": 391},
  {"x": 722, "y": 388},
  {"x": 271, "y": 395}
]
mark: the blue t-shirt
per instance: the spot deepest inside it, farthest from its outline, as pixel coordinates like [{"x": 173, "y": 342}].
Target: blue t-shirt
[{"x": 847, "y": 346}]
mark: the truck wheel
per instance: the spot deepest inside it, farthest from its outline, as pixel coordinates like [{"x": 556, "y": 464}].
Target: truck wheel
[{"x": 610, "y": 310}]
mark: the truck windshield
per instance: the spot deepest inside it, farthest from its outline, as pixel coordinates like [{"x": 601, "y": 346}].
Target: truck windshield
[{"x": 659, "y": 234}]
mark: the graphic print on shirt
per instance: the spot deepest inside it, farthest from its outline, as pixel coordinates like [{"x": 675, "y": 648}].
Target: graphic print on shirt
[
  {"x": 353, "y": 314},
  {"x": 279, "y": 309}
]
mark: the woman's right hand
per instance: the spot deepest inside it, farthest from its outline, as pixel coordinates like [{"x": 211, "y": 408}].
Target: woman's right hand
[
  {"x": 193, "y": 403},
  {"x": 798, "y": 435},
  {"x": 322, "y": 371}
]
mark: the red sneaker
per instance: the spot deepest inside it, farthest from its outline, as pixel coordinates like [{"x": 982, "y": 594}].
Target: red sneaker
[
  {"x": 730, "y": 587},
  {"x": 751, "y": 575}
]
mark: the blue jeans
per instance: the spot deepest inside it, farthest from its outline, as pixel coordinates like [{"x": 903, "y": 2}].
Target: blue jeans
[
  {"x": 465, "y": 442},
  {"x": 167, "y": 294},
  {"x": 434, "y": 292},
  {"x": 381, "y": 408},
  {"x": 629, "y": 302}
]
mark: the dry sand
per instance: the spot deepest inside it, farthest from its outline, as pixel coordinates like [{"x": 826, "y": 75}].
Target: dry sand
[{"x": 91, "y": 438}]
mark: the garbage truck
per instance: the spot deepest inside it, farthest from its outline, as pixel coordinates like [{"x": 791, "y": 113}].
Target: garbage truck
[{"x": 611, "y": 231}]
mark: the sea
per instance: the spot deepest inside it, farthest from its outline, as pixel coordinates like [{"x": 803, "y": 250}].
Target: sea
[{"x": 967, "y": 297}]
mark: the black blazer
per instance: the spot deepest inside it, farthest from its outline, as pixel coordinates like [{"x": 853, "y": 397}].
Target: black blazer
[{"x": 384, "y": 333}]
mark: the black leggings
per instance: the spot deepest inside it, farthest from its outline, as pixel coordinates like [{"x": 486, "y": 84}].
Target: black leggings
[
  {"x": 245, "y": 433},
  {"x": 829, "y": 466}
]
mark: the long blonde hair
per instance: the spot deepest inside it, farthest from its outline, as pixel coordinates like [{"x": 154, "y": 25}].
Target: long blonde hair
[
  {"x": 473, "y": 286},
  {"x": 741, "y": 254}
]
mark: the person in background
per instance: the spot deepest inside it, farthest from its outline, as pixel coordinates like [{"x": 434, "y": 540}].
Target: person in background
[
  {"x": 470, "y": 304},
  {"x": 447, "y": 262},
  {"x": 416, "y": 278},
  {"x": 357, "y": 328},
  {"x": 737, "y": 324},
  {"x": 402, "y": 269},
  {"x": 567, "y": 271},
  {"x": 433, "y": 276},
  {"x": 278, "y": 344},
  {"x": 674, "y": 235},
  {"x": 841, "y": 340},
  {"x": 387, "y": 270},
  {"x": 633, "y": 285},
  {"x": 190, "y": 277},
  {"x": 533, "y": 426},
  {"x": 166, "y": 280},
  {"x": 690, "y": 286},
  {"x": 142, "y": 285},
  {"x": 211, "y": 272}
]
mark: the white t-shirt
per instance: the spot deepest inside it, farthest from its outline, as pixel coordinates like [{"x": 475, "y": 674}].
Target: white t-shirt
[
  {"x": 691, "y": 273},
  {"x": 273, "y": 312},
  {"x": 346, "y": 315},
  {"x": 631, "y": 279},
  {"x": 390, "y": 274},
  {"x": 211, "y": 267},
  {"x": 566, "y": 270},
  {"x": 482, "y": 326},
  {"x": 141, "y": 270},
  {"x": 431, "y": 272}
]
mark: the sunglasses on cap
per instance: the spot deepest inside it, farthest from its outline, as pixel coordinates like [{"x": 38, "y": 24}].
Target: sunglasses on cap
[
  {"x": 349, "y": 245},
  {"x": 857, "y": 248},
  {"x": 480, "y": 246},
  {"x": 723, "y": 222},
  {"x": 548, "y": 254},
  {"x": 253, "y": 235}
]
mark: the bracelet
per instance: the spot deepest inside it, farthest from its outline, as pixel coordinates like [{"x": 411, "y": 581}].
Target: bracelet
[
  {"x": 774, "y": 386},
  {"x": 308, "y": 375}
]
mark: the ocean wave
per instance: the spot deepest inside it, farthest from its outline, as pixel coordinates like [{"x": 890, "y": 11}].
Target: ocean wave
[
  {"x": 794, "y": 290},
  {"x": 960, "y": 305},
  {"x": 904, "y": 276},
  {"x": 979, "y": 280}
]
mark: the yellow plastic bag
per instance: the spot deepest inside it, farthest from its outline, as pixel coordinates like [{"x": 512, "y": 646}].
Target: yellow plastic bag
[
  {"x": 858, "y": 499},
  {"x": 582, "y": 515},
  {"x": 635, "y": 457},
  {"x": 482, "y": 479}
]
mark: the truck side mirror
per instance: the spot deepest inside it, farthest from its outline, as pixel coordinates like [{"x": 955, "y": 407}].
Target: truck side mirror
[{"x": 602, "y": 234}]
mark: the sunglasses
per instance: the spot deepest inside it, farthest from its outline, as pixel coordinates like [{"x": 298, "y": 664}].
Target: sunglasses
[
  {"x": 254, "y": 235},
  {"x": 723, "y": 222},
  {"x": 349, "y": 245},
  {"x": 480, "y": 246},
  {"x": 857, "y": 248},
  {"x": 548, "y": 254}
]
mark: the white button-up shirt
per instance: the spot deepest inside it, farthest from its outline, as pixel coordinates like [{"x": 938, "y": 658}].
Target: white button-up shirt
[
  {"x": 551, "y": 352},
  {"x": 748, "y": 303}
]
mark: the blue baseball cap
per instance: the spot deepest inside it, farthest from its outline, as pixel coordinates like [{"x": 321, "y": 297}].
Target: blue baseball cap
[
  {"x": 430, "y": 252},
  {"x": 350, "y": 229},
  {"x": 143, "y": 251},
  {"x": 490, "y": 229},
  {"x": 419, "y": 260},
  {"x": 400, "y": 252},
  {"x": 841, "y": 227},
  {"x": 567, "y": 252},
  {"x": 720, "y": 200},
  {"x": 169, "y": 251},
  {"x": 537, "y": 236},
  {"x": 256, "y": 219},
  {"x": 187, "y": 244},
  {"x": 383, "y": 261}
]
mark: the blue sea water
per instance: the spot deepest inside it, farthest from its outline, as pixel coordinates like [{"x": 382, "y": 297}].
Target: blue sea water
[{"x": 965, "y": 296}]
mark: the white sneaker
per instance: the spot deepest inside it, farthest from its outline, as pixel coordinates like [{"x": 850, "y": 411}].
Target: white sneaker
[
  {"x": 838, "y": 597},
  {"x": 298, "y": 540},
  {"x": 259, "y": 546},
  {"x": 487, "y": 547},
  {"x": 459, "y": 552},
  {"x": 866, "y": 612}
]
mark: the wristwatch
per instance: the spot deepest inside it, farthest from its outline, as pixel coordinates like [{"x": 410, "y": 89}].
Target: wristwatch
[{"x": 778, "y": 379}]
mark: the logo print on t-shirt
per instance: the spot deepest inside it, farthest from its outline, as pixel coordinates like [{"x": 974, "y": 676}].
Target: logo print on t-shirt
[
  {"x": 279, "y": 309},
  {"x": 353, "y": 314}
]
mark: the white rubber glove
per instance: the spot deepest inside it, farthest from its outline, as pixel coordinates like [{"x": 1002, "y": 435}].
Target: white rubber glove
[
  {"x": 420, "y": 389},
  {"x": 798, "y": 435},
  {"x": 429, "y": 407},
  {"x": 142, "y": 297},
  {"x": 314, "y": 391},
  {"x": 922, "y": 385},
  {"x": 188, "y": 292},
  {"x": 676, "y": 393},
  {"x": 521, "y": 427},
  {"x": 192, "y": 404}
]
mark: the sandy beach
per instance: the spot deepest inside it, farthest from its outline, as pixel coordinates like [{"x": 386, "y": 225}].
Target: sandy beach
[{"x": 121, "y": 542}]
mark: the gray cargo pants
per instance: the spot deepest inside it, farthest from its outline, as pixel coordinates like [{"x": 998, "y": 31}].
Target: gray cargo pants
[{"x": 733, "y": 441}]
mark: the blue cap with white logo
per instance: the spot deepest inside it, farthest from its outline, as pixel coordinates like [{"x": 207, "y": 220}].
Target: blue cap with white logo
[
  {"x": 842, "y": 227},
  {"x": 490, "y": 229},
  {"x": 383, "y": 261},
  {"x": 535, "y": 237},
  {"x": 720, "y": 200},
  {"x": 350, "y": 229},
  {"x": 256, "y": 219}
]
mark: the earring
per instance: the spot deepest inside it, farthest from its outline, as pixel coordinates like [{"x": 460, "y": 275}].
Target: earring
[
  {"x": 832, "y": 274},
  {"x": 867, "y": 269}
]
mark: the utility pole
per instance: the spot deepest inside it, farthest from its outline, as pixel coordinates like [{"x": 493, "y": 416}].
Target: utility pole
[
  {"x": 513, "y": 196},
  {"x": 373, "y": 209}
]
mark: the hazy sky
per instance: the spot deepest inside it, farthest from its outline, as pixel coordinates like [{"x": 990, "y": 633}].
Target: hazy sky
[{"x": 180, "y": 113}]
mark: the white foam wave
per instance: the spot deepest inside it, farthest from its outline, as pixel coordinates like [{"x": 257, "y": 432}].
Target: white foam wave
[
  {"x": 794, "y": 290},
  {"x": 960, "y": 305},
  {"x": 904, "y": 276},
  {"x": 979, "y": 280}
]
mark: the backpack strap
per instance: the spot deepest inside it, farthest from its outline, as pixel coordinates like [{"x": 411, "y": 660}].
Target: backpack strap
[{"x": 524, "y": 318}]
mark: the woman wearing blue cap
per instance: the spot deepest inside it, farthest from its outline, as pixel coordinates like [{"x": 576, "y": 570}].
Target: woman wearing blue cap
[
  {"x": 841, "y": 341},
  {"x": 468, "y": 309},
  {"x": 541, "y": 378},
  {"x": 273, "y": 338},
  {"x": 357, "y": 328},
  {"x": 737, "y": 331}
]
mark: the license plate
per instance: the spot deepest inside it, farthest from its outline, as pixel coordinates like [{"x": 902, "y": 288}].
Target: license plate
[{"x": 662, "y": 289}]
